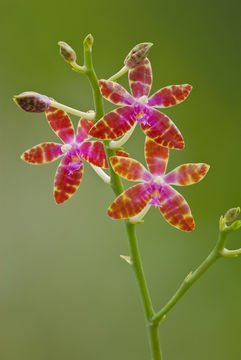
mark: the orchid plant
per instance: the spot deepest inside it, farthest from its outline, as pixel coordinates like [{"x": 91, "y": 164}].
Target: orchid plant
[{"x": 95, "y": 142}]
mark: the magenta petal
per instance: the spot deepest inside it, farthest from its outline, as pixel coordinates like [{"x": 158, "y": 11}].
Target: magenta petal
[
  {"x": 162, "y": 130},
  {"x": 115, "y": 93},
  {"x": 61, "y": 124},
  {"x": 83, "y": 129},
  {"x": 42, "y": 153},
  {"x": 170, "y": 96},
  {"x": 94, "y": 153},
  {"x": 140, "y": 79}
]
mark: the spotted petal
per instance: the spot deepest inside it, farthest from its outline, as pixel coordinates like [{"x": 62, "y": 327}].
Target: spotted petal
[
  {"x": 187, "y": 174},
  {"x": 83, "y": 129},
  {"x": 140, "y": 79},
  {"x": 129, "y": 169},
  {"x": 131, "y": 202},
  {"x": 156, "y": 157},
  {"x": 162, "y": 130},
  {"x": 60, "y": 122},
  {"x": 175, "y": 209},
  {"x": 42, "y": 153},
  {"x": 94, "y": 153},
  {"x": 66, "y": 183},
  {"x": 169, "y": 96},
  {"x": 115, "y": 93},
  {"x": 114, "y": 124}
]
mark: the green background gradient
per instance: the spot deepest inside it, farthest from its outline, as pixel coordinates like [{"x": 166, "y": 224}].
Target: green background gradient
[{"x": 64, "y": 292}]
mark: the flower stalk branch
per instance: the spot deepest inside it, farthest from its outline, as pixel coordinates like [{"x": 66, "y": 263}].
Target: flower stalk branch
[
  {"x": 117, "y": 187},
  {"x": 218, "y": 252}
]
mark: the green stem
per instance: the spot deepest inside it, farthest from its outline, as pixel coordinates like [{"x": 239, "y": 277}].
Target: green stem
[
  {"x": 118, "y": 189},
  {"x": 190, "y": 279}
]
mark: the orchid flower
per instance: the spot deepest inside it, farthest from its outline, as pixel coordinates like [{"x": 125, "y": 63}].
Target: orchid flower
[
  {"x": 155, "y": 188},
  {"x": 138, "y": 108},
  {"x": 76, "y": 147}
]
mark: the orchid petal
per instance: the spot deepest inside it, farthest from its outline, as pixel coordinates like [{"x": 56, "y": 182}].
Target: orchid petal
[
  {"x": 61, "y": 124},
  {"x": 129, "y": 169},
  {"x": 122, "y": 153},
  {"x": 162, "y": 130},
  {"x": 42, "y": 153},
  {"x": 170, "y": 96},
  {"x": 130, "y": 202},
  {"x": 140, "y": 79},
  {"x": 175, "y": 209},
  {"x": 115, "y": 93},
  {"x": 83, "y": 129},
  {"x": 94, "y": 153},
  {"x": 114, "y": 124},
  {"x": 187, "y": 174},
  {"x": 156, "y": 157},
  {"x": 66, "y": 182}
]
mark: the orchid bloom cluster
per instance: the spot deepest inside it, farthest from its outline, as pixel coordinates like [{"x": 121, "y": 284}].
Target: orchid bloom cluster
[
  {"x": 160, "y": 132},
  {"x": 99, "y": 140}
]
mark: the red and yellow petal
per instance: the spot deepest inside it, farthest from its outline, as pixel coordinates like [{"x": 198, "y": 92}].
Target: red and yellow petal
[
  {"x": 94, "y": 153},
  {"x": 129, "y": 169},
  {"x": 187, "y": 174},
  {"x": 163, "y": 131},
  {"x": 61, "y": 124},
  {"x": 42, "y": 153},
  {"x": 170, "y": 96},
  {"x": 131, "y": 202},
  {"x": 140, "y": 79},
  {"x": 175, "y": 209},
  {"x": 83, "y": 129},
  {"x": 114, "y": 124},
  {"x": 115, "y": 93},
  {"x": 66, "y": 183},
  {"x": 122, "y": 153},
  {"x": 156, "y": 157}
]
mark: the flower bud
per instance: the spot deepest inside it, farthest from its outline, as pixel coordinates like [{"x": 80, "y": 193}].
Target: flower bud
[
  {"x": 231, "y": 214},
  {"x": 67, "y": 52},
  {"x": 31, "y": 101},
  {"x": 88, "y": 41},
  {"x": 137, "y": 55}
]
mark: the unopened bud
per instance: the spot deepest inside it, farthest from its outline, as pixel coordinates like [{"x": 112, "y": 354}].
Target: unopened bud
[
  {"x": 231, "y": 214},
  {"x": 137, "y": 55},
  {"x": 31, "y": 101},
  {"x": 67, "y": 52},
  {"x": 88, "y": 41}
]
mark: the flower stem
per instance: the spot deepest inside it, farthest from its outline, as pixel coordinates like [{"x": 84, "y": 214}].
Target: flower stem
[
  {"x": 130, "y": 228},
  {"x": 118, "y": 74},
  {"x": 191, "y": 278},
  {"x": 70, "y": 110}
]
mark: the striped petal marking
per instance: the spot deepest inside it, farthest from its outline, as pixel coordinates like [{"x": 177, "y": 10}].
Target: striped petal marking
[
  {"x": 170, "y": 96},
  {"x": 94, "y": 153},
  {"x": 129, "y": 169},
  {"x": 42, "y": 153},
  {"x": 114, "y": 124},
  {"x": 122, "y": 153},
  {"x": 175, "y": 209},
  {"x": 115, "y": 93},
  {"x": 162, "y": 130},
  {"x": 187, "y": 174},
  {"x": 140, "y": 79},
  {"x": 83, "y": 129},
  {"x": 61, "y": 124},
  {"x": 131, "y": 202},
  {"x": 156, "y": 157},
  {"x": 66, "y": 182}
]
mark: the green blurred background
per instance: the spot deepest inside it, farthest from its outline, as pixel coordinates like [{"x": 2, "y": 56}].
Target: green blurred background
[{"x": 64, "y": 291}]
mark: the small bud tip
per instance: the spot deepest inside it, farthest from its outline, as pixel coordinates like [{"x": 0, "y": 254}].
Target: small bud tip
[
  {"x": 88, "y": 41},
  {"x": 137, "y": 54},
  {"x": 31, "y": 101},
  {"x": 67, "y": 53},
  {"x": 232, "y": 214}
]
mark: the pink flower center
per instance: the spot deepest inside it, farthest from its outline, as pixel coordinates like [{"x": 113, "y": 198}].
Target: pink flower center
[
  {"x": 156, "y": 192},
  {"x": 74, "y": 157},
  {"x": 142, "y": 113}
]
